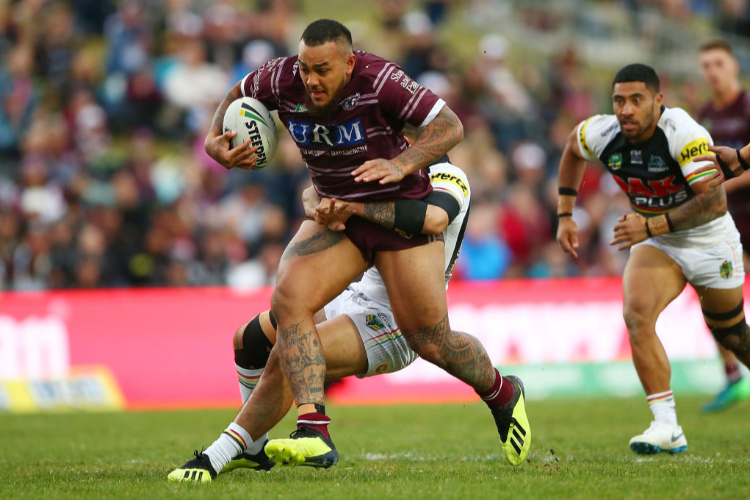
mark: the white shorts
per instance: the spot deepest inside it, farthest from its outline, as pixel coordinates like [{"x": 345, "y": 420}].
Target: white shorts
[
  {"x": 719, "y": 266},
  {"x": 387, "y": 350}
]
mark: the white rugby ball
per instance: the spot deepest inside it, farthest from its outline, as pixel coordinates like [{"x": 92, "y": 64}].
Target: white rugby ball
[{"x": 252, "y": 121}]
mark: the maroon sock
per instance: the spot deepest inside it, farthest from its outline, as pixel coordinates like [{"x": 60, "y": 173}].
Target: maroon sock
[
  {"x": 499, "y": 394},
  {"x": 315, "y": 421},
  {"x": 733, "y": 372}
]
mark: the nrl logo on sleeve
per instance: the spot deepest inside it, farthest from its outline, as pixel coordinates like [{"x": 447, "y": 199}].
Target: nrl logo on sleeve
[
  {"x": 350, "y": 102},
  {"x": 726, "y": 269},
  {"x": 615, "y": 161}
]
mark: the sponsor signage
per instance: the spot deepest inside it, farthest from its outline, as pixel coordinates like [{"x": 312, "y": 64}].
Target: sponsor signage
[{"x": 168, "y": 348}]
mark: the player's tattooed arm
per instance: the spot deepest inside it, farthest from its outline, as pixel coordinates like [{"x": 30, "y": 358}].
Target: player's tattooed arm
[
  {"x": 216, "y": 123},
  {"x": 704, "y": 207},
  {"x": 218, "y": 145},
  {"x": 431, "y": 142},
  {"x": 381, "y": 212}
]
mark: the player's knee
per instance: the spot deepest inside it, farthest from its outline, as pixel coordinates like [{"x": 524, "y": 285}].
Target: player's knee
[
  {"x": 637, "y": 321},
  {"x": 238, "y": 335},
  {"x": 429, "y": 352},
  {"x": 255, "y": 346},
  {"x": 282, "y": 302},
  {"x": 736, "y": 337}
]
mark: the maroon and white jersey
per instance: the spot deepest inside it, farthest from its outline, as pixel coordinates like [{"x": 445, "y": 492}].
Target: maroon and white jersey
[
  {"x": 731, "y": 127},
  {"x": 376, "y": 104}
]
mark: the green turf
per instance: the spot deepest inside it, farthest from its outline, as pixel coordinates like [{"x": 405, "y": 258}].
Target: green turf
[{"x": 579, "y": 451}]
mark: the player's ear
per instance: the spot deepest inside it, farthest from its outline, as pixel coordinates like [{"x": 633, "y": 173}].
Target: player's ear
[
  {"x": 350, "y": 60},
  {"x": 658, "y": 99}
]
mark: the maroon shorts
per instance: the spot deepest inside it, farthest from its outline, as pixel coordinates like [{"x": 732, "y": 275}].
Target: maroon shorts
[{"x": 372, "y": 238}]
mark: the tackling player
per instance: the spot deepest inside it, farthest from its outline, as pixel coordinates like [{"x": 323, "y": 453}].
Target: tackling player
[
  {"x": 346, "y": 111},
  {"x": 680, "y": 232},
  {"x": 727, "y": 119},
  {"x": 357, "y": 329}
]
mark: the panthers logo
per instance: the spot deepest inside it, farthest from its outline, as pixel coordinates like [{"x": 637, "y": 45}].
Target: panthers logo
[
  {"x": 374, "y": 323},
  {"x": 726, "y": 270}
]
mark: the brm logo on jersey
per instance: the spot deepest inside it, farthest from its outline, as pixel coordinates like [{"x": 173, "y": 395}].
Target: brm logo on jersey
[{"x": 345, "y": 134}]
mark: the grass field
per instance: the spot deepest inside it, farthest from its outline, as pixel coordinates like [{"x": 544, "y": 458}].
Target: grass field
[{"x": 579, "y": 451}]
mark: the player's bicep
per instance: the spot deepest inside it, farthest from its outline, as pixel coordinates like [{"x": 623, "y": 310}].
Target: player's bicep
[
  {"x": 259, "y": 84},
  {"x": 404, "y": 99}
]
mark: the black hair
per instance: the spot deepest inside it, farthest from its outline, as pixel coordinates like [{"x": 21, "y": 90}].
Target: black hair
[
  {"x": 326, "y": 30},
  {"x": 638, "y": 73}
]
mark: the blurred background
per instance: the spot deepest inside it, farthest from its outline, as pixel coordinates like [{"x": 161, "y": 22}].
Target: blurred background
[{"x": 104, "y": 106}]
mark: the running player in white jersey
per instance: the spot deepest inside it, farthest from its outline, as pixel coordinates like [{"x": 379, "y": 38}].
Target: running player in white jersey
[
  {"x": 358, "y": 331},
  {"x": 680, "y": 232}
]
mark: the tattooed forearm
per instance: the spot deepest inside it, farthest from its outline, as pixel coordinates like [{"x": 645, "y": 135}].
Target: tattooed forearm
[
  {"x": 458, "y": 353},
  {"x": 705, "y": 207},
  {"x": 304, "y": 364},
  {"x": 314, "y": 244},
  {"x": 218, "y": 119},
  {"x": 433, "y": 141},
  {"x": 382, "y": 212}
]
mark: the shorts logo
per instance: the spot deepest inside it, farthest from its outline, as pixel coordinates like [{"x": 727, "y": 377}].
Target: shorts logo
[
  {"x": 615, "y": 161},
  {"x": 443, "y": 177},
  {"x": 374, "y": 322},
  {"x": 726, "y": 270},
  {"x": 656, "y": 164},
  {"x": 695, "y": 148},
  {"x": 636, "y": 157},
  {"x": 382, "y": 368},
  {"x": 350, "y": 102}
]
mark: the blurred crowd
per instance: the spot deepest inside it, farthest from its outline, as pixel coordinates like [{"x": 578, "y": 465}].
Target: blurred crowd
[{"x": 105, "y": 105}]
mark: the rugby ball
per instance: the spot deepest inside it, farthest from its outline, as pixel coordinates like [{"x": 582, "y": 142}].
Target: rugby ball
[{"x": 252, "y": 121}]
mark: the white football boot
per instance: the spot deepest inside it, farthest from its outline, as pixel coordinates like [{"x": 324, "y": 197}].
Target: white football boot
[{"x": 660, "y": 437}]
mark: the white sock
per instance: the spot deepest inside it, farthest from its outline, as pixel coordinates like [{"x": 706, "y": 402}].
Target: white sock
[
  {"x": 663, "y": 407},
  {"x": 248, "y": 380},
  {"x": 232, "y": 442}
]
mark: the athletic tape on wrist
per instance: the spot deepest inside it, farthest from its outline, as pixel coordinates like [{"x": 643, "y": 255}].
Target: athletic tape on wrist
[
  {"x": 567, "y": 191},
  {"x": 745, "y": 166},
  {"x": 565, "y": 214},
  {"x": 728, "y": 173}
]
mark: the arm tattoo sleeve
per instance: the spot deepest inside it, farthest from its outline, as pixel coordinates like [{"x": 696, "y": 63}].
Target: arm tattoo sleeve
[
  {"x": 381, "y": 212},
  {"x": 435, "y": 140},
  {"x": 704, "y": 208},
  {"x": 218, "y": 119}
]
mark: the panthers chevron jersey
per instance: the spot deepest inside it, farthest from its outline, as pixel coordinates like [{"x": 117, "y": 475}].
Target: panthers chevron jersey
[
  {"x": 444, "y": 177},
  {"x": 656, "y": 174}
]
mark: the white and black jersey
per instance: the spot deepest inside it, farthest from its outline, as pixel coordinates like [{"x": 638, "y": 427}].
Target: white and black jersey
[
  {"x": 444, "y": 177},
  {"x": 656, "y": 174}
]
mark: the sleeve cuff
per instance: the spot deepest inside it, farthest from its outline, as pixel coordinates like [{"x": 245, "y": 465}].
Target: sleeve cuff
[{"x": 433, "y": 113}]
